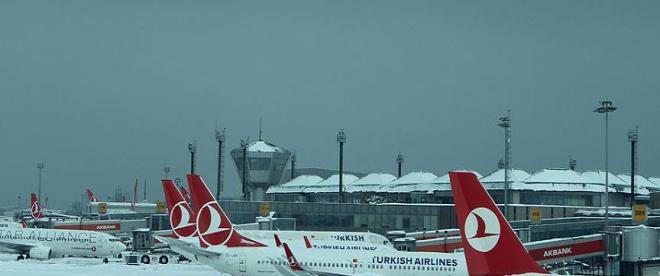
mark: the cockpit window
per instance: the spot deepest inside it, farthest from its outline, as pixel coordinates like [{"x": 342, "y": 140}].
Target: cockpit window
[{"x": 114, "y": 240}]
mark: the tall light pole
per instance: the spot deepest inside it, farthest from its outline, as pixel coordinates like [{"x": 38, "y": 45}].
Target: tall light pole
[
  {"x": 505, "y": 122},
  {"x": 40, "y": 166},
  {"x": 244, "y": 146},
  {"x": 341, "y": 139},
  {"x": 167, "y": 172},
  {"x": 220, "y": 138},
  {"x": 193, "y": 149},
  {"x": 606, "y": 107},
  {"x": 293, "y": 165},
  {"x": 633, "y": 137},
  {"x": 399, "y": 162}
]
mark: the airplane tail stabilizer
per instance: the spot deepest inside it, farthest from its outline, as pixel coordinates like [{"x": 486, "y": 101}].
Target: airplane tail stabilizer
[{"x": 491, "y": 246}]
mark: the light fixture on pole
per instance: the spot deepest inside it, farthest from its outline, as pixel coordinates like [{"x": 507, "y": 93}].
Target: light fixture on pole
[
  {"x": 399, "y": 162},
  {"x": 606, "y": 107},
  {"x": 633, "y": 137},
  {"x": 244, "y": 146},
  {"x": 505, "y": 122},
  {"x": 167, "y": 172},
  {"x": 293, "y": 165},
  {"x": 193, "y": 149},
  {"x": 341, "y": 139},
  {"x": 220, "y": 138}
]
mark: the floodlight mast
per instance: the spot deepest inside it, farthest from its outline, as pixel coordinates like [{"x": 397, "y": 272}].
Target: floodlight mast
[
  {"x": 505, "y": 122},
  {"x": 633, "y": 137},
  {"x": 244, "y": 146},
  {"x": 341, "y": 139},
  {"x": 399, "y": 162},
  {"x": 293, "y": 165},
  {"x": 606, "y": 107},
  {"x": 40, "y": 166},
  {"x": 220, "y": 138},
  {"x": 167, "y": 172},
  {"x": 193, "y": 150}
]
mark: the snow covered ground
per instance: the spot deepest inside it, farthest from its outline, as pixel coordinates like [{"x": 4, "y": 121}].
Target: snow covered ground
[{"x": 82, "y": 266}]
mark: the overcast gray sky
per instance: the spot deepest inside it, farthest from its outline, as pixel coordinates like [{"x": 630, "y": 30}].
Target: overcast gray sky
[{"x": 104, "y": 92}]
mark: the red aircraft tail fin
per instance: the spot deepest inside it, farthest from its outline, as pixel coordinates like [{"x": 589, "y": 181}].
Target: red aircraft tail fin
[
  {"x": 90, "y": 196},
  {"x": 35, "y": 208},
  {"x": 491, "y": 246},
  {"x": 185, "y": 194},
  {"x": 293, "y": 263},
  {"x": 213, "y": 225},
  {"x": 308, "y": 244},
  {"x": 182, "y": 218},
  {"x": 278, "y": 242}
]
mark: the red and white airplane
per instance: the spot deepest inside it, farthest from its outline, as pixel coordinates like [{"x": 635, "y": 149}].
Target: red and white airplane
[
  {"x": 492, "y": 247},
  {"x": 184, "y": 221}
]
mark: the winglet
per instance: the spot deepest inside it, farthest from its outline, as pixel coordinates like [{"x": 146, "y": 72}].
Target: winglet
[
  {"x": 278, "y": 242},
  {"x": 491, "y": 247},
  {"x": 24, "y": 224},
  {"x": 293, "y": 263},
  {"x": 35, "y": 208},
  {"x": 308, "y": 244}
]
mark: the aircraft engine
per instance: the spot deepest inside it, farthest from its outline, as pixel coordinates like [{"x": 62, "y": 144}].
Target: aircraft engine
[{"x": 40, "y": 253}]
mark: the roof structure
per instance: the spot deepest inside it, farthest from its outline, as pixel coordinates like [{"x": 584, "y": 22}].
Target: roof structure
[
  {"x": 331, "y": 184},
  {"x": 408, "y": 182},
  {"x": 562, "y": 180},
  {"x": 370, "y": 183},
  {"x": 263, "y": 146},
  {"x": 495, "y": 180},
  {"x": 615, "y": 181},
  {"x": 441, "y": 183},
  {"x": 640, "y": 181},
  {"x": 655, "y": 180},
  {"x": 296, "y": 185}
]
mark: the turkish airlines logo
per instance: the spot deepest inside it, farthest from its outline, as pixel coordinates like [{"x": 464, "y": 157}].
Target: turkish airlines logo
[
  {"x": 180, "y": 220},
  {"x": 93, "y": 198},
  {"x": 36, "y": 213},
  {"x": 292, "y": 261},
  {"x": 213, "y": 227},
  {"x": 482, "y": 229}
]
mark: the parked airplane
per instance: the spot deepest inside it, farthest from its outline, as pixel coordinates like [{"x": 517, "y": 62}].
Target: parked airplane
[
  {"x": 179, "y": 218},
  {"x": 43, "y": 244},
  {"x": 492, "y": 247},
  {"x": 37, "y": 213}
]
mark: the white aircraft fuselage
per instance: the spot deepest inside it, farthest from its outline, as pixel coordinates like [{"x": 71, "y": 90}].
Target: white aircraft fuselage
[{"x": 53, "y": 243}]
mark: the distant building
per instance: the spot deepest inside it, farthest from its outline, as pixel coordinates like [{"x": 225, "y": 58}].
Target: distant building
[{"x": 265, "y": 162}]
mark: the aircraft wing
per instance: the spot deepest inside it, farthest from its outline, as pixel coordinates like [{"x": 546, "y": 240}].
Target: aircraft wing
[
  {"x": 18, "y": 246},
  {"x": 176, "y": 244}
]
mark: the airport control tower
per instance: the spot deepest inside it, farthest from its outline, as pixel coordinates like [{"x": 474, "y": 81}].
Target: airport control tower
[{"x": 265, "y": 162}]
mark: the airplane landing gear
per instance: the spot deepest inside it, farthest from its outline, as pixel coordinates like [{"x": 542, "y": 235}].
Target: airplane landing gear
[{"x": 20, "y": 257}]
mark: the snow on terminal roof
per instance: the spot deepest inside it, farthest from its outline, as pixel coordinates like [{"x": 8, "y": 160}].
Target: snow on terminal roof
[
  {"x": 495, "y": 180},
  {"x": 618, "y": 183},
  {"x": 439, "y": 184},
  {"x": 370, "y": 183},
  {"x": 331, "y": 184},
  {"x": 408, "y": 182},
  {"x": 641, "y": 181},
  {"x": 562, "y": 180},
  {"x": 296, "y": 185}
]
